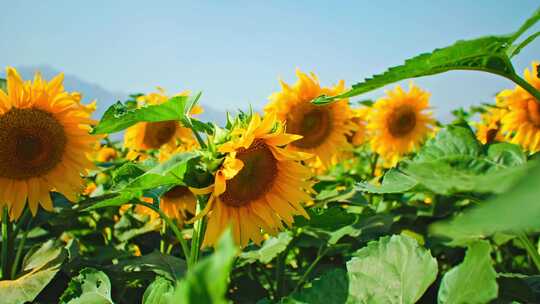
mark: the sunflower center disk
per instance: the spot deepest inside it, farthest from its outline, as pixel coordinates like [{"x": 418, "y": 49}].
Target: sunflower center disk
[
  {"x": 177, "y": 192},
  {"x": 402, "y": 121},
  {"x": 159, "y": 133},
  {"x": 533, "y": 109},
  {"x": 255, "y": 178},
  {"x": 32, "y": 143},
  {"x": 314, "y": 126}
]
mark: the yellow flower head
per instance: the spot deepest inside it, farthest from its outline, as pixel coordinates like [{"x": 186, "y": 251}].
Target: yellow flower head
[
  {"x": 489, "y": 129},
  {"x": 522, "y": 122},
  {"x": 399, "y": 122},
  {"x": 106, "y": 154},
  {"x": 44, "y": 142},
  {"x": 324, "y": 129},
  {"x": 178, "y": 203},
  {"x": 359, "y": 119},
  {"x": 260, "y": 184},
  {"x": 155, "y": 135}
]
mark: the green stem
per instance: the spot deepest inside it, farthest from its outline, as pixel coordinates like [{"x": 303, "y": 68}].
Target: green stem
[
  {"x": 163, "y": 234},
  {"x": 18, "y": 255},
  {"x": 374, "y": 165},
  {"x": 171, "y": 224},
  {"x": 531, "y": 249},
  {"x": 199, "y": 228},
  {"x": 320, "y": 255},
  {"x": 526, "y": 86},
  {"x": 5, "y": 244},
  {"x": 22, "y": 222}
]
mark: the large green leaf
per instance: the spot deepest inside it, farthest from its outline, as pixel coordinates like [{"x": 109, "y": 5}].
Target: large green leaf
[
  {"x": 394, "y": 181},
  {"x": 331, "y": 287},
  {"x": 207, "y": 281},
  {"x": 268, "y": 251},
  {"x": 391, "y": 270},
  {"x": 488, "y": 54},
  {"x": 159, "y": 292},
  {"x": 515, "y": 210},
  {"x": 473, "y": 281},
  {"x": 91, "y": 286},
  {"x": 166, "y": 266},
  {"x": 171, "y": 172},
  {"x": 40, "y": 266},
  {"x": 119, "y": 116}
]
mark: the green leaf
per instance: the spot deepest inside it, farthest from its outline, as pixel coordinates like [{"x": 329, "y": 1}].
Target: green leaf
[
  {"x": 331, "y": 287},
  {"x": 506, "y": 154},
  {"x": 207, "y": 281},
  {"x": 487, "y": 54},
  {"x": 394, "y": 181},
  {"x": 159, "y": 292},
  {"x": 40, "y": 267},
  {"x": 391, "y": 270},
  {"x": 473, "y": 281},
  {"x": 454, "y": 162},
  {"x": 3, "y": 85},
  {"x": 451, "y": 143},
  {"x": 166, "y": 266},
  {"x": 171, "y": 172},
  {"x": 518, "y": 287},
  {"x": 515, "y": 210},
  {"x": 91, "y": 286},
  {"x": 120, "y": 116},
  {"x": 268, "y": 251}
]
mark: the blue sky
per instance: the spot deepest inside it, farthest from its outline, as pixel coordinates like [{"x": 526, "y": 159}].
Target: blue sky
[{"x": 235, "y": 51}]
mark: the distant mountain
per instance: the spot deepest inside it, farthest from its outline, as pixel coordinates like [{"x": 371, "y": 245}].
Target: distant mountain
[{"x": 104, "y": 97}]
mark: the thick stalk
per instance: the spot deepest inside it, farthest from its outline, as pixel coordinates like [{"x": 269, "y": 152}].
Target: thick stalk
[
  {"x": 199, "y": 228},
  {"x": 20, "y": 248},
  {"x": 531, "y": 249},
  {"x": 5, "y": 244},
  {"x": 526, "y": 86}
]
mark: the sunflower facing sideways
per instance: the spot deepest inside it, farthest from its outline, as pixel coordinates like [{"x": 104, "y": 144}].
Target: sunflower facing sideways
[
  {"x": 522, "y": 122},
  {"x": 324, "y": 128},
  {"x": 155, "y": 135},
  {"x": 489, "y": 129},
  {"x": 399, "y": 122},
  {"x": 260, "y": 184},
  {"x": 44, "y": 143}
]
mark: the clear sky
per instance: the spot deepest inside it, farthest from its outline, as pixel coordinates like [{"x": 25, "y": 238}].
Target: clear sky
[{"x": 235, "y": 51}]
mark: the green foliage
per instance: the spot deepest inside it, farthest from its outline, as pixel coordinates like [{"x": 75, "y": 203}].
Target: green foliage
[
  {"x": 391, "y": 270},
  {"x": 473, "y": 281},
  {"x": 487, "y": 54},
  {"x": 515, "y": 210},
  {"x": 455, "y": 162},
  {"x": 268, "y": 251},
  {"x": 159, "y": 292},
  {"x": 3, "y": 85},
  {"x": 331, "y": 287},
  {"x": 91, "y": 286},
  {"x": 207, "y": 282},
  {"x": 40, "y": 266},
  {"x": 121, "y": 116}
]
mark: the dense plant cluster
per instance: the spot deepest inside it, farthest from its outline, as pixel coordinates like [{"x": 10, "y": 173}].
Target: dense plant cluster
[{"x": 316, "y": 199}]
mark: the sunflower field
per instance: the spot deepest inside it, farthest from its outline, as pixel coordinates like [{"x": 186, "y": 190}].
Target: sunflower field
[{"x": 317, "y": 198}]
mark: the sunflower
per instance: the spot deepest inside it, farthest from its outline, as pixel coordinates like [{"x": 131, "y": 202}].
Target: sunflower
[
  {"x": 44, "y": 143},
  {"x": 324, "y": 129},
  {"x": 260, "y": 185},
  {"x": 178, "y": 203},
  {"x": 489, "y": 129},
  {"x": 522, "y": 122},
  {"x": 399, "y": 122},
  {"x": 358, "y": 137},
  {"x": 155, "y": 135},
  {"x": 106, "y": 154}
]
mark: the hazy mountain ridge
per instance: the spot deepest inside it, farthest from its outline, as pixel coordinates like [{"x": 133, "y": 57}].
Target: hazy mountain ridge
[{"x": 105, "y": 97}]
